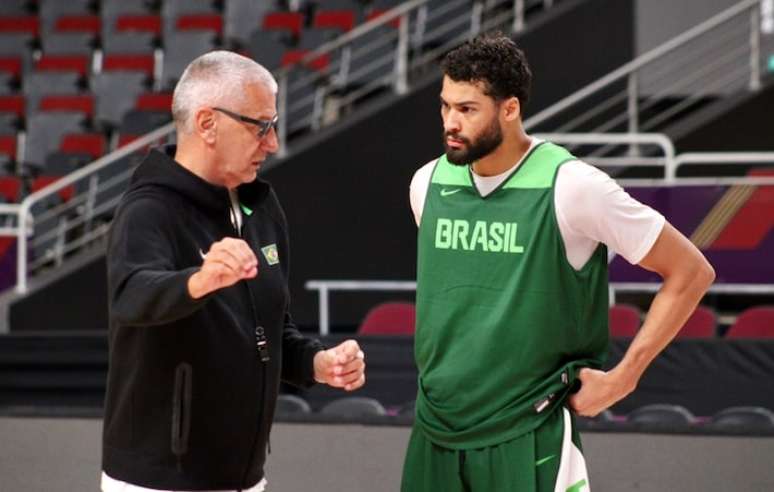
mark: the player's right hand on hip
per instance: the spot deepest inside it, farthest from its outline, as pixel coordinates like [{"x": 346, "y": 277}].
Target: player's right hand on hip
[{"x": 227, "y": 262}]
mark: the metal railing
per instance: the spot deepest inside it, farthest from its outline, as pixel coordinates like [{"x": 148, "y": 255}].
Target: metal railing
[
  {"x": 325, "y": 287},
  {"x": 717, "y": 57},
  {"x": 383, "y": 54},
  {"x": 669, "y": 161},
  {"x": 48, "y": 228}
]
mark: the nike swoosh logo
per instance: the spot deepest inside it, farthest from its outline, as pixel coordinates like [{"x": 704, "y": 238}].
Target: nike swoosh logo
[
  {"x": 544, "y": 460},
  {"x": 445, "y": 192}
]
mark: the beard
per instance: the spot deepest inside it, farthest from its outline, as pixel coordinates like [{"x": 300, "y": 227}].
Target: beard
[{"x": 486, "y": 142}]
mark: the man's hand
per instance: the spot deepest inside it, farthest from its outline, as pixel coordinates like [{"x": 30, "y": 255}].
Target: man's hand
[
  {"x": 227, "y": 262},
  {"x": 599, "y": 390},
  {"x": 342, "y": 366}
]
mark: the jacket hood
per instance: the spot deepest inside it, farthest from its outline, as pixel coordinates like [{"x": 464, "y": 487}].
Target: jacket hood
[{"x": 159, "y": 169}]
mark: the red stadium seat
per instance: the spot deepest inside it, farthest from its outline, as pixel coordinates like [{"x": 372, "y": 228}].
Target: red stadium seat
[
  {"x": 8, "y": 145},
  {"x": 389, "y": 318},
  {"x": 29, "y": 24},
  {"x": 284, "y": 21},
  {"x": 343, "y": 20},
  {"x": 624, "y": 320},
  {"x": 292, "y": 57},
  {"x": 64, "y": 63},
  {"x": 9, "y": 188},
  {"x": 154, "y": 102},
  {"x": 126, "y": 138},
  {"x": 87, "y": 143},
  {"x": 140, "y": 63},
  {"x": 757, "y": 322},
  {"x": 146, "y": 23},
  {"x": 702, "y": 324},
  {"x": 42, "y": 181},
  {"x": 83, "y": 103},
  {"x": 12, "y": 104},
  {"x": 200, "y": 22},
  {"x": 78, "y": 23},
  {"x": 11, "y": 64}
]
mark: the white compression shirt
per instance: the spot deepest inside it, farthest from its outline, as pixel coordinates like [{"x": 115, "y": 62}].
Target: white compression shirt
[{"x": 591, "y": 208}]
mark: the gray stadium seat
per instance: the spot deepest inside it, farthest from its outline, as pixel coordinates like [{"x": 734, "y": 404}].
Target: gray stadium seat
[
  {"x": 115, "y": 94},
  {"x": 137, "y": 122},
  {"x": 243, "y": 17},
  {"x": 7, "y": 83},
  {"x": 354, "y": 407},
  {"x": 15, "y": 7},
  {"x": 63, "y": 163},
  {"x": 744, "y": 417},
  {"x": 171, "y": 10},
  {"x": 112, "y": 9},
  {"x": 39, "y": 84},
  {"x": 266, "y": 48},
  {"x": 312, "y": 38},
  {"x": 51, "y": 10},
  {"x": 128, "y": 42},
  {"x": 68, "y": 43},
  {"x": 662, "y": 415},
  {"x": 44, "y": 133},
  {"x": 9, "y": 124},
  {"x": 291, "y": 405},
  {"x": 180, "y": 49},
  {"x": 14, "y": 44}
]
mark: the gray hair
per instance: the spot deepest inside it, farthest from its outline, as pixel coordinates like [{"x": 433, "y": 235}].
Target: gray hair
[{"x": 214, "y": 79}]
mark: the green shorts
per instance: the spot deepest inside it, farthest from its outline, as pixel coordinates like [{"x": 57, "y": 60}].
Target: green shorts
[{"x": 548, "y": 459}]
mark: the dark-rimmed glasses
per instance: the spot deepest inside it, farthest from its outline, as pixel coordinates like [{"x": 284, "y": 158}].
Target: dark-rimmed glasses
[{"x": 264, "y": 126}]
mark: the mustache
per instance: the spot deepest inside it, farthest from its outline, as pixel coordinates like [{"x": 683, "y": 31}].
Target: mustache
[{"x": 455, "y": 136}]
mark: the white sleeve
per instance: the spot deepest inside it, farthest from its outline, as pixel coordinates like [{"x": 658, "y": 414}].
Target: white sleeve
[
  {"x": 418, "y": 189},
  {"x": 591, "y": 208}
]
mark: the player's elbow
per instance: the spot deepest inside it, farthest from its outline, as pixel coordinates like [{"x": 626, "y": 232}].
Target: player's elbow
[{"x": 706, "y": 274}]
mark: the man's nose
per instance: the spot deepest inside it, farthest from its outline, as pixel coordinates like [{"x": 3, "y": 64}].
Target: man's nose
[
  {"x": 270, "y": 142},
  {"x": 451, "y": 123}
]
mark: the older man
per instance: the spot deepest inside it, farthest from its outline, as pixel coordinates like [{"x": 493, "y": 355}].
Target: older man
[{"x": 200, "y": 333}]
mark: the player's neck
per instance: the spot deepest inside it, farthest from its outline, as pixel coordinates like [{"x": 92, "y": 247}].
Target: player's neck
[{"x": 510, "y": 151}]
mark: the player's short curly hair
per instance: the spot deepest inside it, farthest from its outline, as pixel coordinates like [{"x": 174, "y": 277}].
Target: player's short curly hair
[{"x": 495, "y": 60}]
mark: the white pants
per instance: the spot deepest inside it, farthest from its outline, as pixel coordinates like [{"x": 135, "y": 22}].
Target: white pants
[{"x": 112, "y": 485}]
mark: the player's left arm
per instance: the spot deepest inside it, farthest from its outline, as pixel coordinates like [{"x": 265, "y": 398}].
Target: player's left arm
[{"x": 686, "y": 277}]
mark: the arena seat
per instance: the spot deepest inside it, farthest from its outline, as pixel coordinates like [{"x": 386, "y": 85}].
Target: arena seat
[
  {"x": 744, "y": 416},
  {"x": 389, "y": 318},
  {"x": 291, "y": 405},
  {"x": 661, "y": 414},
  {"x": 354, "y": 407},
  {"x": 756, "y": 322},
  {"x": 702, "y": 324},
  {"x": 624, "y": 320}
]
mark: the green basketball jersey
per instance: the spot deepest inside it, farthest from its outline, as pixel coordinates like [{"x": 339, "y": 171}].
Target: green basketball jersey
[{"x": 503, "y": 320}]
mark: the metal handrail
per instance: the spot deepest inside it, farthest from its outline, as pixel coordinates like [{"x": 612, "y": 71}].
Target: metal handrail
[
  {"x": 324, "y": 287},
  {"x": 24, "y": 210},
  {"x": 658, "y": 139},
  {"x": 639, "y": 62},
  {"x": 465, "y": 20}
]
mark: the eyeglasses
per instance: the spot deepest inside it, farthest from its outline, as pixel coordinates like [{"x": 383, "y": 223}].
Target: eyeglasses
[{"x": 264, "y": 126}]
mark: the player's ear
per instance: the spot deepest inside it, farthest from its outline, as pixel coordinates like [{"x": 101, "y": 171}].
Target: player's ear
[{"x": 511, "y": 109}]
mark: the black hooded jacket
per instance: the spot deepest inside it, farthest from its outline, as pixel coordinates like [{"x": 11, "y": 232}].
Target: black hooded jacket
[{"x": 189, "y": 401}]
